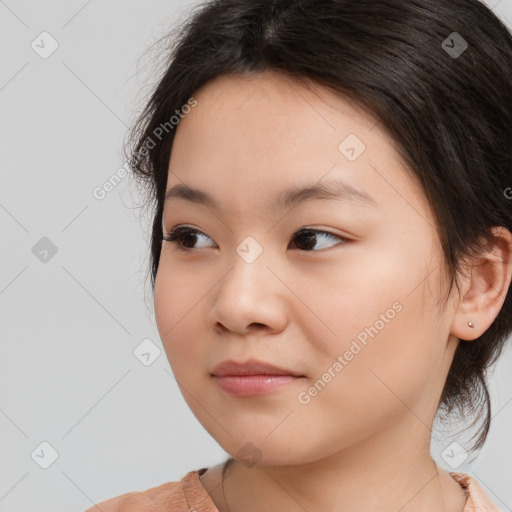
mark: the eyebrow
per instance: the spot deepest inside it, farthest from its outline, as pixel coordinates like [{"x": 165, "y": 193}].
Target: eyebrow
[{"x": 330, "y": 190}]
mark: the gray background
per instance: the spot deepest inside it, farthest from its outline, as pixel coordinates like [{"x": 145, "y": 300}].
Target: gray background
[{"x": 70, "y": 324}]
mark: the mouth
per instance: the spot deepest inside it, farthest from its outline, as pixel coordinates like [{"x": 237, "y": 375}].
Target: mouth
[
  {"x": 254, "y": 385},
  {"x": 251, "y": 367},
  {"x": 253, "y": 377}
]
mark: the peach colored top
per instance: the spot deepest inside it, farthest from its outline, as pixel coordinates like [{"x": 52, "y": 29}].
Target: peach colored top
[{"x": 189, "y": 495}]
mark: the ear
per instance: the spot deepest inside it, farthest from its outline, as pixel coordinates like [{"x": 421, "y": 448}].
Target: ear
[{"x": 484, "y": 288}]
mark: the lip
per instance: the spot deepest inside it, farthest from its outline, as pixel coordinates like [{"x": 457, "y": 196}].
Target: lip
[
  {"x": 252, "y": 377},
  {"x": 251, "y": 367}
]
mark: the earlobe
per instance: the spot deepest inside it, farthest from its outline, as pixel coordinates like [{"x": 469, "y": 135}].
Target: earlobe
[{"x": 485, "y": 288}]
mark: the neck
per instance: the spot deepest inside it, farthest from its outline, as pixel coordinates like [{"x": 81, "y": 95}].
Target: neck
[{"x": 364, "y": 477}]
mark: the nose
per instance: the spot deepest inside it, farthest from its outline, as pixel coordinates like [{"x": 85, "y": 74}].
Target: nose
[{"x": 249, "y": 298}]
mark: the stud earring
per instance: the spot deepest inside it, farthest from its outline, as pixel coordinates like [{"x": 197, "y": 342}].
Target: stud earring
[{"x": 471, "y": 324}]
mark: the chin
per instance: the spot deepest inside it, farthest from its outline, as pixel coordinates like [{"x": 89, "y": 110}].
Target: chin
[{"x": 258, "y": 451}]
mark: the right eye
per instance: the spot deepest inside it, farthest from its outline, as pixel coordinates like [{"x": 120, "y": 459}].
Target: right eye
[{"x": 182, "y": 236}]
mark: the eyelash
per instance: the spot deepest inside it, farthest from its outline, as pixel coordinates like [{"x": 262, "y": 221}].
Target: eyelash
[{"x": 179, "y": 231}]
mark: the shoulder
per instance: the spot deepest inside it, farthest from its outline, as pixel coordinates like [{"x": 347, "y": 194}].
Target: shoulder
[
  {"x": 154, "y": 499},
  {"x": 478, "y": 500}
]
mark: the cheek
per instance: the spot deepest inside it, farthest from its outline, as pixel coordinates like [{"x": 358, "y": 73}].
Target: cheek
[
  {"x": 383, "y": 324},
  {"x": 376, "y": 383},
  {"x": 177, "y": 306}
]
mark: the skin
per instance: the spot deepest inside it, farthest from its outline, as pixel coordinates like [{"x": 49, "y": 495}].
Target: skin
[{"x": 299, "y": 308}]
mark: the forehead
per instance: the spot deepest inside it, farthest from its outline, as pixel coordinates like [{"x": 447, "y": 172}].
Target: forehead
[
  {"x": 259, "y": 107},
  {"x": 253, "y": 136}
]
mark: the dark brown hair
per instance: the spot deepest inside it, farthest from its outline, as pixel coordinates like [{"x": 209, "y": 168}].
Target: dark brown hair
[{"x": 446, "y": 106}]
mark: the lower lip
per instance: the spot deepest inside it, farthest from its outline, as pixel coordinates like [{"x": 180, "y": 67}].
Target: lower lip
[{"x": 253, "y": 385}]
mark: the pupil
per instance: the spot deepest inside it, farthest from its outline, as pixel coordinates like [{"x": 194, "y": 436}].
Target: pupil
[
  {"x": 309, "y": 239},
  {"x": 188, "y": 238}
]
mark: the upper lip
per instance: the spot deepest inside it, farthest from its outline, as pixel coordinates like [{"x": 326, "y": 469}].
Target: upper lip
[{"x": 251, "y": 367}]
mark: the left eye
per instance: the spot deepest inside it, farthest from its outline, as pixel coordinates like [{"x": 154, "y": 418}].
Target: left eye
[
  {"x": 184, "y": 237},
  {"x": 309, "y": 237}
]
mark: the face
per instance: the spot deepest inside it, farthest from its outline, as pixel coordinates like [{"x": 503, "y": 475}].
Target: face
[{"x": 342, "y": 290}]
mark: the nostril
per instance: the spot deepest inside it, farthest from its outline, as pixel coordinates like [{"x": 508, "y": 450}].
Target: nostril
[{"x": 258, "y": 325}]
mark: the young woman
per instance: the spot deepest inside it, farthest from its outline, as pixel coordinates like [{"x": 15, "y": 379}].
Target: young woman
[{"x": 331, "y": 247}]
